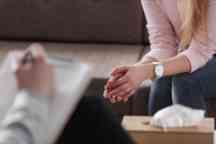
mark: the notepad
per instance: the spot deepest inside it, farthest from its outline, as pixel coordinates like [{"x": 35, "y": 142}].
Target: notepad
[{"x": 73, "y": 78}]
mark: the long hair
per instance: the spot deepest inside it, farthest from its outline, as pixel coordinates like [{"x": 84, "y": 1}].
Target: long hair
[{"x": 194, "y": 15}]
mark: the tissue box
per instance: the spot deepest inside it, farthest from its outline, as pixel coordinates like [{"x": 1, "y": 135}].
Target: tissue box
[{"x": 143, "y": 133}]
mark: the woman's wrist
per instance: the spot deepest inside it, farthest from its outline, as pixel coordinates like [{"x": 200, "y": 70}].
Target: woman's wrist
[
  {"x": 172, "y": 66},
  {"x": 151, "y": 68},
  {"x": 147, "y": 70}
]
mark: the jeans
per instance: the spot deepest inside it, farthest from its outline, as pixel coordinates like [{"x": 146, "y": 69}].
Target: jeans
[{"x": 189, "y": 89}]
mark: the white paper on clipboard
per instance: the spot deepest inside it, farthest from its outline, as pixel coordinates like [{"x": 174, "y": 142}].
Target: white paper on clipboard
[
  {"x": 8, "y": 86},
  {"x": 73, "y": 78}
]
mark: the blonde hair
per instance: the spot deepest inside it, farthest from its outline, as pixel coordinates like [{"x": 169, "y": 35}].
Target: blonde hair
[{"x": 193, "y": 14}]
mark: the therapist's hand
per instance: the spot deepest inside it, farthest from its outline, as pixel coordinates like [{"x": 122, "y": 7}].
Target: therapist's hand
[
  {"x": 35, "y": 74},
  {"x": 126, "y": 80}
]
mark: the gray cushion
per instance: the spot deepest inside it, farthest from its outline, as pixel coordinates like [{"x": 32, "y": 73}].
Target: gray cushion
[{"x": 115, "y": 21}]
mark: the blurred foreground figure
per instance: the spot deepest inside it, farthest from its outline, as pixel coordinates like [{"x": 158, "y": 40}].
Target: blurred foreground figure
[{"x": 26, "y": 120}]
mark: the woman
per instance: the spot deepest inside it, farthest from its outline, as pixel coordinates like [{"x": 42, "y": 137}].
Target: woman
[{"x": 181, "y": 60}]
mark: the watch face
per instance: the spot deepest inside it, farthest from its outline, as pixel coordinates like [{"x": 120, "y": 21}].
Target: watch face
[{"x": 159, "y": 70}]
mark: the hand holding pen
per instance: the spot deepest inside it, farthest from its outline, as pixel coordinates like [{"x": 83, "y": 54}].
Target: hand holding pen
[{"x": 34, "y": 73}]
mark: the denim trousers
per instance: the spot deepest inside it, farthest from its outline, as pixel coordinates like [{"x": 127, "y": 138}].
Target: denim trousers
[{"x": 188, "y": 89}]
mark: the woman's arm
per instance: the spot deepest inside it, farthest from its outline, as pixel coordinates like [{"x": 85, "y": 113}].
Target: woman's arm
[
  {"x": 174, "y": 65},
  {"x": 200, "y": 51},
  {"x": 203, "y": 44},
  {"x": 161, "y": 33}
]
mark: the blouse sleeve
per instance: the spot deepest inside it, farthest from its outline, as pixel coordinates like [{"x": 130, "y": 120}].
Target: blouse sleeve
[
  {"x": 161, "y": 33},
  {"x": 203, "y": 45},
  {"x": 26, "y": 121}
]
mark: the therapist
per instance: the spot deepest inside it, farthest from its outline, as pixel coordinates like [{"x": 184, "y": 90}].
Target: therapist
[{"x": 27, "y": 120}]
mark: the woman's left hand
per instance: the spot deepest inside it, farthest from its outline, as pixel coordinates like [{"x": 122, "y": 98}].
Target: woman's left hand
[{"x": 121, "y": 88}]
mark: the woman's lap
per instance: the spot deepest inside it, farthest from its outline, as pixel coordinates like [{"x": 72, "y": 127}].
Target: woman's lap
[
  {"x": 188, "y": 89},
  {"x": 160, "y": 95}
]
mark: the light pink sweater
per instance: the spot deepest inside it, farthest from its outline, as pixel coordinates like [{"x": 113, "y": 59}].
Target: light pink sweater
[{"x": 164, "y": 25}]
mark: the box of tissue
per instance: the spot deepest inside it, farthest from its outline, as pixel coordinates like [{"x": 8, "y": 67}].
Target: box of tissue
[{"x": 143, "y": 133}]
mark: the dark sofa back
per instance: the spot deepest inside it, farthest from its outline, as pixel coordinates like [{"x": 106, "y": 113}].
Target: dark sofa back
[{"x": 107, "y": 21}]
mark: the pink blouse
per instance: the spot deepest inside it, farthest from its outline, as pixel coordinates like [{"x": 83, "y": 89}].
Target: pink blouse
[{"x": 164, "y": 24}]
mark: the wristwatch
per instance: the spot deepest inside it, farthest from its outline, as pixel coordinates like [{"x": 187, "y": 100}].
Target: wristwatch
[{"x": 158, "y": 69}]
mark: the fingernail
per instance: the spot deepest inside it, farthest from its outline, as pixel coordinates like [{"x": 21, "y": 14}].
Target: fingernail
[
  {"x": 112, "y": 100},
  {"x": 119, "y": 99},
  {"x": 125, "y": 100}
]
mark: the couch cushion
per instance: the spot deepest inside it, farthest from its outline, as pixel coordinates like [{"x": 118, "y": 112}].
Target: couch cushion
[
  {"x": 115, "y": 21},
  {"x": 101, "y": 57}
]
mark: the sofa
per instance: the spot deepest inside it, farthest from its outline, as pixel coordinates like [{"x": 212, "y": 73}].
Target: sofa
[{"x": 102, "y": 33}]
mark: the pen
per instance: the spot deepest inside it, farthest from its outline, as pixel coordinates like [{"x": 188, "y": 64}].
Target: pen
[{"x": 28, "y": 57}]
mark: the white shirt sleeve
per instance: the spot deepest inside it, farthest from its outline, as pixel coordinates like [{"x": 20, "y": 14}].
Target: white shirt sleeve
[{"x": 26, "y": 121}]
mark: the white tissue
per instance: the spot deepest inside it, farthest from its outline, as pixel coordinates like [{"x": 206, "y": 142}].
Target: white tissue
[{"x": 177, "y": 116}]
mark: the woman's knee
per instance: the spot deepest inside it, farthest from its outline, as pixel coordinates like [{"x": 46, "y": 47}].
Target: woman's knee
[
  {"x": 160, "y": 95},
  {"x": 161, "y": 86},
  {"x": 187, "y": 91}
]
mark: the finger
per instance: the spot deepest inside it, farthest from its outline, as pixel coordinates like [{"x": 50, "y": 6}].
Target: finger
[
  {"x": 40, "y": 60},
  {"x": 109, "y": 82},
  {"x": 38, "y": 52},
  {"x": 37, "y": 49},
  {"x": 112, "y": 100},
  {"x": 119, "y": 82},
  {"x": 123, "y": 88},
  {"x": 105, "y": 94},
  {"x": 112, "y": 80},
  {"x": 121, "y": 96},
  {"x": 126, "y": 97},
  {"x": 119, "y": 99},
  {"x": 119, "y": 70}
]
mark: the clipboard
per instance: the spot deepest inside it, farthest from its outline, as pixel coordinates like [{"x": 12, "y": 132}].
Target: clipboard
[{"x": 73, "y": 78}]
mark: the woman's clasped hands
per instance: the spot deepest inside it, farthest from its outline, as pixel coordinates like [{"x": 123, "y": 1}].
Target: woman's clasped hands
[{"x": 125, "y": 80}]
